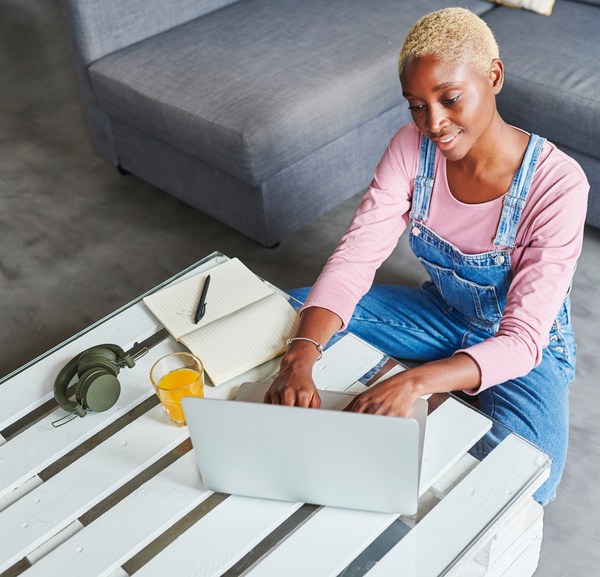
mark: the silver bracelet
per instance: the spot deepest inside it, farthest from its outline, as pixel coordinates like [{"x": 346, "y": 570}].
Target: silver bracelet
[{"x": 319, "y": 346}]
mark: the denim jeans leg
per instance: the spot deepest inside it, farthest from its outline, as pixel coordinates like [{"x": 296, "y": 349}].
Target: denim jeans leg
[
  {"x": 404, "y": 322},
  {"x": 536, "y": 407},
  {"x": 407, "y": 323}
]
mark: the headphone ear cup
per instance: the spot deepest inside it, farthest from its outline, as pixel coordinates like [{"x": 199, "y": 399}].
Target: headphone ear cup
[
  {"x": 97, "y": 389},
  {"x": 98, "y": 357}
]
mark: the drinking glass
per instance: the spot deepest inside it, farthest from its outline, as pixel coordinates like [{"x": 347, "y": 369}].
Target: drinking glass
[{"x": 175, "y": 376}]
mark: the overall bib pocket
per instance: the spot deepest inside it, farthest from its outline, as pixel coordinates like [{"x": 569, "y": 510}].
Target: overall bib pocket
[{"x": 470, "y": 299}]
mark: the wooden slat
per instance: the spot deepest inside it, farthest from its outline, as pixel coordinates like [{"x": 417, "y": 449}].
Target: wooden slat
[
  {"x": 55, "y": 541},
  {"x": 525, "y": 563},
  {"x": 21, "y": 490},
  {"x": 50, "y": 507},
  {"x": 512, "y": 468},
  {"x": 356, "y": 388},
  {"x": 220, "y": 538},
  {"x": 397, "y": 368},
  {"x": 325, "y": 544},
  {"x": 344, "y": 363},
  {"x": 137, "y": 520},
  {"x": 452, "y": 429},
  {"x": 28, "y": 453},
  {"x": 453, "y": 476}
]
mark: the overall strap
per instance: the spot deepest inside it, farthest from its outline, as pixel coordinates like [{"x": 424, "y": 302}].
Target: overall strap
[
  {"x": 423, "y": 181},
  {"x": 514, "y": 202}
]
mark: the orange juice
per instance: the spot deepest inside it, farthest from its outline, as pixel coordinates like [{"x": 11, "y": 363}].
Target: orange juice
[{"x": 176, "y": 385}]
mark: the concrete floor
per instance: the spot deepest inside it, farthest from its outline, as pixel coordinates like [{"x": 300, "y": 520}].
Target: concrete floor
[{"x": 79, "y": 240}]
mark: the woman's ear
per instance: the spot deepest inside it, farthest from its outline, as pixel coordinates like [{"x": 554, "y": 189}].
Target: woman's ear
[{"x": 496, "y": 75}]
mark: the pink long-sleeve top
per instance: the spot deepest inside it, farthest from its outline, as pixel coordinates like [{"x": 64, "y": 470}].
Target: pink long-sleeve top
[{"x": 548, "y": 243}]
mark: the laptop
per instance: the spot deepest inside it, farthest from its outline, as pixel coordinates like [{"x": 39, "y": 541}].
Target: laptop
[{"x": 321, "y": 456}]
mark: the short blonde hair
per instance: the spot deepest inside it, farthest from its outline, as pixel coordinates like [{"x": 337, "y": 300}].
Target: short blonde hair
[{"x": 456, "y": 35}]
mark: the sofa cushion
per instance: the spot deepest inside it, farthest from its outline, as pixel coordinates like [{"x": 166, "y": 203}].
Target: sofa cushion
[
  {"x": 594, "y": 2},
  {"x": 540, "y": 6},
  {"x": 260, "y": 84},
  {"x": 551, "y": 87}
]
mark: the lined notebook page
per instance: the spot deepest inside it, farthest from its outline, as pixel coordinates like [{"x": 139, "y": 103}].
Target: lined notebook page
[
  {"x": 232, "y": 287},
  {"x": 244, "y": 339}
]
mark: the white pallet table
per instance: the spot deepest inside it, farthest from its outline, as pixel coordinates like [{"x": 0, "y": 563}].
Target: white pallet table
[{"x": 105, "y": 495}]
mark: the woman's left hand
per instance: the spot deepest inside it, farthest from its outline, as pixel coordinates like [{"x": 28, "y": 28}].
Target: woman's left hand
[
  {"x": 388, "y": 397},
  {"x": 395, "y": 396}
]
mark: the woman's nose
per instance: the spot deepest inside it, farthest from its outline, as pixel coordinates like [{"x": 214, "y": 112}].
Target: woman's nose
[{"x": 436, "y": 120}]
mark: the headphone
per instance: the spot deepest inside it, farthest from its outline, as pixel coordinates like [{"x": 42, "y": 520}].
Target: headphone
[{"x": 98, "y": 387}]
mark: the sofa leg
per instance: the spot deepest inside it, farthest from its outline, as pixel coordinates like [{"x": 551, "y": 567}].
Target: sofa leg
[{"x": 122, "y": 171}]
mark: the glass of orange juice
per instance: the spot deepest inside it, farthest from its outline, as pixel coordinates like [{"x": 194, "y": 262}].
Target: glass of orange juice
[{"x": 175, "y": 376}]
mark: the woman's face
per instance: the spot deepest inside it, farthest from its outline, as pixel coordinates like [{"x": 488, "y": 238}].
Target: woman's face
[{"x": 452, "y": 104}]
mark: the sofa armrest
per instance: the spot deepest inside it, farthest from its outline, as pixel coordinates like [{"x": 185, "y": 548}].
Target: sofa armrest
[{"x": 99, "y": 27}]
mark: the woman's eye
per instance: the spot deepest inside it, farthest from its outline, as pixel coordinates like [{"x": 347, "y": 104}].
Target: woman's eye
[
  {"x": 416, "y": 107},
  {"x": 448, "y": 101}
]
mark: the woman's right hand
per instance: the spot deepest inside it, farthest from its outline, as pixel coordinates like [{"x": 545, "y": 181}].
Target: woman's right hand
[{"x": 294, "y": 386}]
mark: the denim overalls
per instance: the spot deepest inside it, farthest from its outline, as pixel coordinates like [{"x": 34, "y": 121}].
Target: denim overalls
[
  {"x": 476, "y": 287},
  {"x": 462, "y": 305}
]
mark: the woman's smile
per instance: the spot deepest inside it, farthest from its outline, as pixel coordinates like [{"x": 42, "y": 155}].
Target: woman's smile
[{"x": 446, "y": 142}]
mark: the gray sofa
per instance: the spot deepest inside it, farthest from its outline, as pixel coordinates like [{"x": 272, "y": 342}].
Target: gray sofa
[
  {"x": 552, "y": 82},
  {"x": 265, "y": 113}
]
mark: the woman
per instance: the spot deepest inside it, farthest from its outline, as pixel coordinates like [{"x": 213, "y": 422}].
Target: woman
[{"x": 496, "y": 217}]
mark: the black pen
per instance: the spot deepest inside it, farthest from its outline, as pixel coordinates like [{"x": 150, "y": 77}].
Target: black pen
[{"x": 202, "y": 304}]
